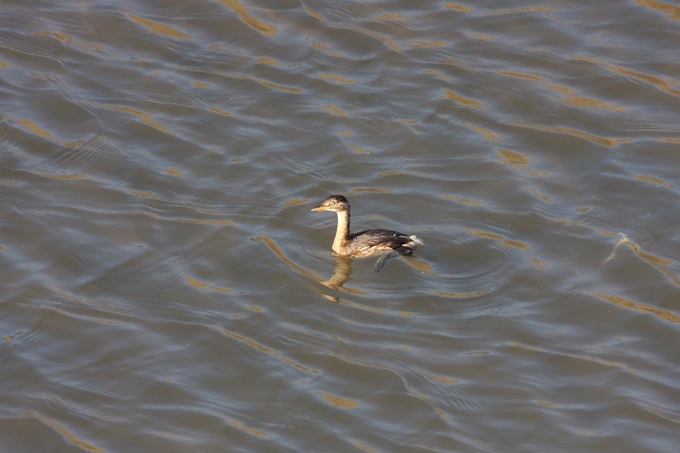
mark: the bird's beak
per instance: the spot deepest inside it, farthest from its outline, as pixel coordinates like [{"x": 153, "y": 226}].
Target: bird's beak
[{"x": 319, "y": 208}]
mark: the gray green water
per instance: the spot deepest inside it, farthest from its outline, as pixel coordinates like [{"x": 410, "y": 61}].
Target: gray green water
[{"x": 165, "y": 287}]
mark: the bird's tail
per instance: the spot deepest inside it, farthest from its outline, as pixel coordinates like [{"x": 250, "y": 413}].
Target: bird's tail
[{"x": 415, "y": 242}]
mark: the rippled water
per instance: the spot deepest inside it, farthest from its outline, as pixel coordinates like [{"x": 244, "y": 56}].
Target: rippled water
[{"x": 165, "y": 286}]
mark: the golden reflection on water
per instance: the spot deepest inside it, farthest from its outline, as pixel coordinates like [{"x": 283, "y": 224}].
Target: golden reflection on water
[
  {"x": 481, "y": 292},
  {"x": 263, "y": 82},
  {"x": 30, "y": 125},
  {"x": 482, "y": 36},
  {"x": 13, "y": 336},
  {"x": 370, "y": 190},
  {"x": 140, "y": 194},
  {"x": 469, "y": 201},
  {"x": 421, "y": 266},
  {"x": 654, "y": 180},
  {"x": 242, "y": 12},
  {"x": 85, "y": 301},
  {"x": 521, "y": 75},
  {"x": 605, "y": 141},
  {"x": 262, "y": 348},
  {"x": 426, "y": 44},
  {"x": 335, "y": 110},
  {"x": 35, "y": 129},
  {"x": 64, "y": 432},
  {"x": 583, "y": 225},
  {"x": 337, "y": 300},
  {"x": 220, "y": 111},
  {"x": 363, "y": 446},
  {"x": 81, "y": 300},
  {"x": 337, "y": 78},
  {"x": 606, "y": 363},
  {"x": 569, "y": 97},
  {"x": 338, "y": 401},
  {"x": 60, "y": 175},
  {"x": 143, "y": 116},
  {"x": 643, "y": 308},
  {"x": 185, "y": 220},
  {"x": 498, "y": 237},
  {"x": 67, "y": 40},
  {"x": 42, "y": 75},
  {"x": 450, "y": 94},
  {"x": 540, "y": 195},
  {"x": 157, "y": 27},
  {"x": 664, "y": 84},
  {"x": 279, "y": 253},
  {"x": 457, "y": 6},
  {"x": 86, "y": 318},
  {"x": 326, "y": 48},
  {"x": 526, "y": 9},
  {"x": 513, "y": 159},
  {"x": 295, "y": 201},
  {"x": 356, "y": 148},
  {"x": 516, "y": 244},
  {"x": 201, "y": 285},
  {"x": 315, "y": 14},
  {"x": 443, "y": 379},
  {"x": 255, "y": 432},
  {"x": 266, "y": 60},
  {"x": 437, "y": 74},
  {"x": 672, "y": 11},
  {"x": 489, "y": 135},
  {"x": 379, "y": 36}
]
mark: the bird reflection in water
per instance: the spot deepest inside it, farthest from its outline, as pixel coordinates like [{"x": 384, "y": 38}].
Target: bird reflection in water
[
  {"x": 343, "y": 271},
  {"x": 342, "y": 274}
]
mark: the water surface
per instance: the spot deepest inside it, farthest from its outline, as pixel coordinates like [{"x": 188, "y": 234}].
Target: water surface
[{"x": 165, "y": 286}]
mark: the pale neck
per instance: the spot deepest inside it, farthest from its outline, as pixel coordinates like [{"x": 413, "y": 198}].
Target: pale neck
[{"x": 342, "y": 233}]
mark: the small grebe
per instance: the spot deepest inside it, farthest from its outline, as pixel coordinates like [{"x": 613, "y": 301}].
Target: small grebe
[{"x": 364, "y": 243}]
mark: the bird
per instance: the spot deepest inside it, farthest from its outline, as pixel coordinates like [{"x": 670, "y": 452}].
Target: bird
[{"x": 365, "y": 243}]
